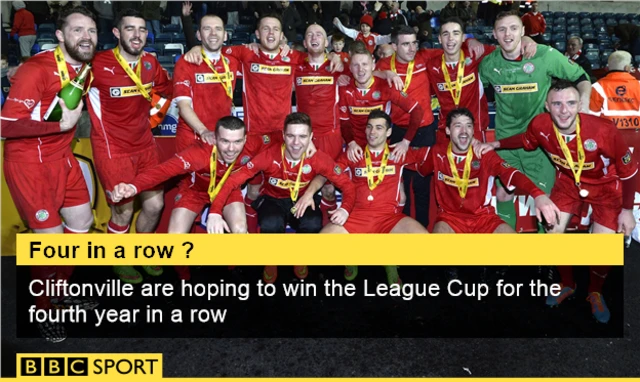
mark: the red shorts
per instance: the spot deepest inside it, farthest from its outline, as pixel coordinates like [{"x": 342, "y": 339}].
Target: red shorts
[
  {"x": 331, "y": 144},
  {"x": 123, "y": 169},
  {"x": 40, "y": 190},
  {"x": 368, "y": 221},
  {"x": 468, "y": 223},
  {"x": 193, "y": 199},
  {"x": 605, "y": 200},
  {"x": 257, "y": 143}
]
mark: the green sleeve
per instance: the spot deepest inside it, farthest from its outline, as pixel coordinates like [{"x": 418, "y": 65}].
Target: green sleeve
[{"x": 561, "y": 67}]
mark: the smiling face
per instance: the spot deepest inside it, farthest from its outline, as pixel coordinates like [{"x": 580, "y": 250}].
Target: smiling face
[
  {"x": 315, "y": 39},
  {"x": 270, "y": 34},
  {"x": 563, "y": 106},
  {"x": 212, "y": 33},
  {"x": 361, "y": 66},
  {"x": 230, "y": 143},
  {"x": 377, "y": 133},
  {"x": 461, "y": 132},
  {"x": 407, "y": 47},
  {"x": 79, "y": 36},
  {"x": 509, "y": 31},
  {"x": 296, "y": 140},
  {"x": 451, "y": 38},
  {"x": 132, "y": 35}
]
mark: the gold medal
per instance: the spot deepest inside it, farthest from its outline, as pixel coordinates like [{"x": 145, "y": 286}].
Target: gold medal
[
  {"x": 293, "y": 210},
  {"x": 576, "y": 168},
  {"x": 370, "y": 198},
  {"x": 462, "y": 183},
  {"x": 383, "y": 167}
]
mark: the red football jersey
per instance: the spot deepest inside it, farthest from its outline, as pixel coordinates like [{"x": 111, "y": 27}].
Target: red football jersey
[
  {"x": 34, "y": 87},
  {"x": 607, "y": 157},
  {"x": 473, "y": 97},
  {"x": 418, "y": 88},
  {"x": 119, "y": 113},
  {"x": 481, "y": 180},
  {"x": 356, "y": 104},
  {"x": 369, "y": 41},
  {"x": 266, "y": 89},
  {"x": 198, "y": 84},
  {"x": 280, "y": 176},
  {"x": 317, "y": 96},
  {"x": 386, "y": 196}
]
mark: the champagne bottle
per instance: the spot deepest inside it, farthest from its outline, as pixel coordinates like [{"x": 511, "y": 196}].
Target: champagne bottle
[{"x": 71, "y": 94}]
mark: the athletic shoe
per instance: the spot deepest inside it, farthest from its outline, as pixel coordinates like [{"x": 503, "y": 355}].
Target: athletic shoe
[
  {"x": 153, "y": 270},
  {"x": 565, "y": 293},
  {"x": 350, "y": 272},
  {"x": 599, "y": 307},
  {"x": 52, "y": 331},
  {"x": 128, "y": 274},
  {"x": 301, "y": 271},
  {"x": 392, "y": 275},
  {"x": 270, "y": 274}
]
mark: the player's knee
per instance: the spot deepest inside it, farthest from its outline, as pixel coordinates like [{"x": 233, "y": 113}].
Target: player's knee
[
  {"x": 238, "y": 226},
  {"x": 84, "y": 222},
  {"x": 328, "y": 192},
  {"x": 153, "y": 206},
  {"x": 122, "y": 215},
  {"x": 272, "y": 224},
  {"x": 253, "y": 192}
]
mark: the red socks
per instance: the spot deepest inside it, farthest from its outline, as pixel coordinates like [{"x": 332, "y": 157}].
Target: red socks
[{"x": 252, "y": 216}]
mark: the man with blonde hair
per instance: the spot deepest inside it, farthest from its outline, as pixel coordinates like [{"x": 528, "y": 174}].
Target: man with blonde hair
[{"x": 616, "y": 96}]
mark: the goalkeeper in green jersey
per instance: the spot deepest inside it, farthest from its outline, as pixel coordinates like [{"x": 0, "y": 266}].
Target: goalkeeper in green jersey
[{"x": 521, "y": 86}]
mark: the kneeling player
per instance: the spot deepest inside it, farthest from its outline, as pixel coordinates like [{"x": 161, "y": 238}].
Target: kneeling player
[{"x": 602, "y": 173}]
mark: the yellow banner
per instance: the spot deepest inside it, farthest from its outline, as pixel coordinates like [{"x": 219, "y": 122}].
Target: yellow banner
[
  {"x": 317, "y": 249},
  {"x": 111, "y": 366}
]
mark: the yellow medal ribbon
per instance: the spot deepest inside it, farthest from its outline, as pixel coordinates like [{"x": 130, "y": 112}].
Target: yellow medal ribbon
[
  {"x": 135, "y": 77},
  {"x": 456, "y": 92},
  {"x": 213, "y": 164},
  {"x": 407, "y": 79},
  {"x": 64, "y": 73},
  {"x": 296, "y": 187},
  {"x": 462, "y": 183},
  {"x": 567, "y": 154},
  {"x": 227, "y": 83},
  {"x": 383, "y": 167}
]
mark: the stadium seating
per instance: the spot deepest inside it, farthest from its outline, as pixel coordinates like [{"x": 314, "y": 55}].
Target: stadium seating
[
  {"x": 171, "y": 28},
  {"x": 560, "y": 45}
]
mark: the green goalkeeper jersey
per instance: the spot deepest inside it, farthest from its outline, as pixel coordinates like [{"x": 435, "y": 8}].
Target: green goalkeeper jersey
[{"x": 521, "y": 86}]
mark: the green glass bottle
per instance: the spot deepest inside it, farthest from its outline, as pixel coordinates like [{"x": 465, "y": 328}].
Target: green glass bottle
[{"x": 71, "y": 94}]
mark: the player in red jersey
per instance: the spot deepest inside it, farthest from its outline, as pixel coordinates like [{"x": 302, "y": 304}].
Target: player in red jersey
[
  {"x": 121, "y": 139},
  {"x": 378, "y": 181},
  {"x": 337, "y": 45},
  {"x": 288, "y": 173},
  {"x": 370, "y": 39},
  {"x": 317, "y": 96},
  {"x": 43, "y": 176},
  {"x": 266, "y": 97},
  {"x": 602, "y": 173},
  {"x": 204, "y": 92}
]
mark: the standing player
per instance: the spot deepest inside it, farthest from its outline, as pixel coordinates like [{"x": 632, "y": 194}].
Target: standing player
[
  {"x": 204, "y": 92},
  {"x": 122, "y": 142},
  {"x": 43, "y": 176},
  {"x": 520, "y": 86},
  {"x": 602, "y": 173},
  {"x": 266, "y": 95},
  {"x": 370, "y": 39},
  {"x": 288, "y": 173},
  {"x": 211, "y": 166},
  {"x": 377, "y": 178},
  {"x": 317, "y": 96}
]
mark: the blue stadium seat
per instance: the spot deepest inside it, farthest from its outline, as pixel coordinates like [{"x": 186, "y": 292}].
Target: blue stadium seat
[
  {"x": 589, "y": 30},
  {"x": 546, "y": 38},
  {"x": 35, "y": 49},
  {"x": 547, "y": 14},
  {"x": 592, "y": 55},
  {"x": 245, "y": 28},
  {"x": 572, "y": 14},
  {"x": 623, "y": 21},
  {"x": 604, "y": 61},
  {"x": 171, "y": 28},
  {"x": 608, "y": 15},
  {"x": 573, "y": 29},
  {"x": 41, "y": 35},
  {"x": 437, "y": 45},
  {"x": 598, "y": 22},
  {"x": 559, "y": 28},
  {"x": 560, "y": 45},
  {"x": 588, "y": 36},
  {"x": 596, "y": 65},
  {"x": 163, "y": 38},
  {"x": 178, "y": 37},
  {"x": 559, "y": 37},
  {"x": 590, "y": 46},
  {"x": 47, "y": 26},
  {"x": 165, "y": 60},
  {"x": 151, "y": 38},
  {"x": 596, "y": 15},
  {"x": 637, "y": 59},
  {"x": 253, "y": 38},
  {"x": 559, "y": 21},
  {"x": 619, "y": 15},
  {"x": 559, "y": 14},
  {"x": 584, "y": 15},
  {"x": 632, "y": 16},
  {"x": 109, "y": 46},
  {"x": 573, "y": 21},
  {"x": 612, "y": 22}
]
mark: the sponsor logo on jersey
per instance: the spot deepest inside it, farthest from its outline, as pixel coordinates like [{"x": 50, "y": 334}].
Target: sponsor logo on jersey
[
  {"x": 210, "y": 78},
  {"x": 471, "y": 78},
  {"x": 28, "y": 103},
  {"x": 337, "y": 170},
  {"x": 268, "y": 69},
  {"x": 506, "y": 165},
  {"x": 266, "y": 140},
  {"x": 303, "y": 81},
  {"x": 520, "y": 88},
  {"x": 362, "y": 171},
  {"x": 626, "y": 159},
  {"x": 128, "y": 91},
  {"x": 285, "y": 183},
  {"x": 528, "y": 68},
  {"x": 563, "y": 163},
  {"x": 590, "y": 145},
  {"x": 450, "y": 181},
  {"x": 364, "y": 110}
]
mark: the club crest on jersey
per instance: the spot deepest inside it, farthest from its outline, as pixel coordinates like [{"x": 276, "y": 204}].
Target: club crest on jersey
[
  {"x": 228, "y": 51},
  {"x": 506, "y": 165},
  {"x": 266, "y": 140},
  {"x": 245, "y": 159},
  {"x": 475, "y": 164},
  {"x": 42, "y": 215},
  {"x": 286, "y": 59},
  {"x": 177, "y": 198},
  {"x": 370, "y": 42},
  {"x": 626, "y": 159},
  {"x": 467, "y": 60},
  {"x": 147, "y": 65},
  {"x": 306, "y": 169},
  {"x": 337, "y": 170},
  {"x": 590, "y": 145},
  {"x": 528, "y": 68},
  {"x": 376, "y": 95}
]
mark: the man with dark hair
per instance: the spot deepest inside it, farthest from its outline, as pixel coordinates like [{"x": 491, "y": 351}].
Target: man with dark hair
[
  {"x": 288, "y": 172},
  {"x": 126, "y": 77},
  {"x": 601, "y": 173},
  {"x": 42, "y": 174},
  {"x": 520, "y": 86}
]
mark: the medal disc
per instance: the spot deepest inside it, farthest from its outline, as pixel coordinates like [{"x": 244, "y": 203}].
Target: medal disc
[
  {"x": 293, "y": 210},
  {"x": 584, "y": 193},
  {"x": 370, "y": 197}
]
